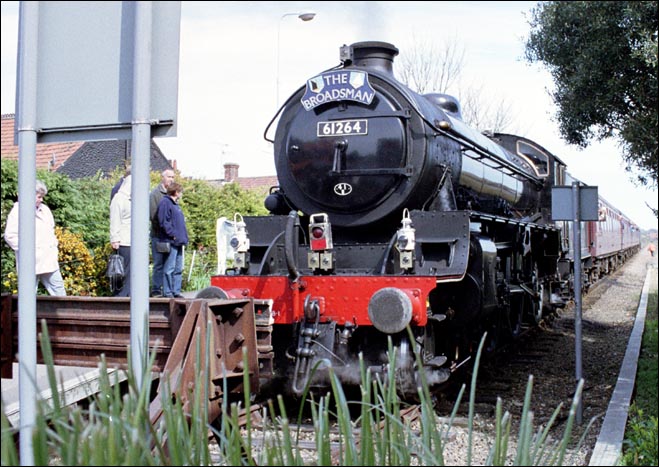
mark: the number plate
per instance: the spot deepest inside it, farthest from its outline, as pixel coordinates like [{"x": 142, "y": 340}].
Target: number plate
[{"x": 343, "y": 127}]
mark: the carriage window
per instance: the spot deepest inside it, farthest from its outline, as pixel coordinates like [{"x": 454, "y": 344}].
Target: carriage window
[{"x": 538, "y": 159}]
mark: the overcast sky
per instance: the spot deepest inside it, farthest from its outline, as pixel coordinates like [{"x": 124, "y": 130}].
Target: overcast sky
[{"x": 233, "y": 52}]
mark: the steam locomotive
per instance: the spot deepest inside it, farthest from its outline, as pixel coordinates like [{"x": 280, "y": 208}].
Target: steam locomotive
[{"x": 392, "y": 214}]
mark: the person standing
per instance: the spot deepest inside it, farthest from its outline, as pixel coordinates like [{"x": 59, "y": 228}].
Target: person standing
[
  {"x": 173, "y": 230},
  {"x": 115, "y": 188},
  {"x": 46, "y": 252},
  {"x": 120, "y": 233},
  {"x": 157, "y": 194}
]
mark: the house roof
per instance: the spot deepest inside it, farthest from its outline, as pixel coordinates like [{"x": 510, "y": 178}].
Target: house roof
[
  {"x": 106, "y": 156},
  {"x": 85, "y": 159},
  {"x": 260, "y": 185},
  {"x": 79, "y": 159},
  {"x": 257, "y": 183},
  {"x": 49, "y": 156}
]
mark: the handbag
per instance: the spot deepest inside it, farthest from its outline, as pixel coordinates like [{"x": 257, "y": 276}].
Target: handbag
[
  {"x": 162, "y": 247},
  {"x": 115, "y": 268}
]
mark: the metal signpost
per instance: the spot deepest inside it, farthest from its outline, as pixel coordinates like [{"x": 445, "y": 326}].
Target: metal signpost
[
  {"x": 91, "y": 71},
  {"x": 576, "y": 203}
]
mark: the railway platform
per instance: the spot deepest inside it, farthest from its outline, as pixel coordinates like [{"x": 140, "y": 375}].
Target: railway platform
[
  {"x": 74, "y": 384},
  {"x": 608, "y": 449}
]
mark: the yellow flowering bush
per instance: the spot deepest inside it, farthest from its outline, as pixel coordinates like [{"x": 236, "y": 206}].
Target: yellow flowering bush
[
  {"x": 101, "y": 255},
  {"x": 10, "y": 282},
  {"x": 83, "y": 272},
  {"x": 76, "y": 264}
]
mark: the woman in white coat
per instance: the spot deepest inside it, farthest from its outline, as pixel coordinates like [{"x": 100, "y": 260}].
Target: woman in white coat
[
  {"x": 46, "y": 264},
  {"x": 120, "y": 232}
]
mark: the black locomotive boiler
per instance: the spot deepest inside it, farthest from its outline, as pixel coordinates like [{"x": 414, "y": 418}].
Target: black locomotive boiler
[{"x": 392, "y": 212}]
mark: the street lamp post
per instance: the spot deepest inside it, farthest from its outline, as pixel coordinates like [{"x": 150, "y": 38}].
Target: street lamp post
[{"x": 304, "y": 16}]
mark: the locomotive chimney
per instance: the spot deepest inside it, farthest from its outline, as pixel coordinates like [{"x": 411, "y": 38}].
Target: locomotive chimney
[{"x": 372, "y": 54}]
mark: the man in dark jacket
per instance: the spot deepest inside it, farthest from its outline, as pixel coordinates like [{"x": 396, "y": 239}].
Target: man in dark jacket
[
  {"x": 157, "y": 194},
  {"x": 173, "y": 230}
]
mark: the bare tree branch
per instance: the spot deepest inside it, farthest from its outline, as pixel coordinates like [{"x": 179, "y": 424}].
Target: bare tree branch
[
  {"x": 425, "y": 67},
  {"x": 485, "y": 113}
]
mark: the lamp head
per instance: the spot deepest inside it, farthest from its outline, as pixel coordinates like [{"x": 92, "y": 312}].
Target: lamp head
[{"x": 308, "y": 16}]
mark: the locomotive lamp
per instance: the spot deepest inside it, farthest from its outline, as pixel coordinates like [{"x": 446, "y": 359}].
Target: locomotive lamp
[
  {"x": 240, "y": 242},
  {"x": 320, "y": 240},
  {"x": 405, "y": 241}
]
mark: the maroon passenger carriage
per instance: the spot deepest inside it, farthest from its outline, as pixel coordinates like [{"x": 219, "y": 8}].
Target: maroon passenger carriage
[
  {"x": 611, "y": 241},
  {"x": 605, "y": 244}
]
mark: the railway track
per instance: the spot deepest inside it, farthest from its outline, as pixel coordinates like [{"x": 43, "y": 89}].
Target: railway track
[
  {"x": 304, "y": 435},
  {"x": 547, "y": 353}
]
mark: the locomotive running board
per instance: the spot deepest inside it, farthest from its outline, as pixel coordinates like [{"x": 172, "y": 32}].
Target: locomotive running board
[{"x": 481, "y": 216}]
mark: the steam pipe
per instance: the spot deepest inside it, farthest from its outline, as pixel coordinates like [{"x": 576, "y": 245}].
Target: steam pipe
[{"x": 288, "y": 246}]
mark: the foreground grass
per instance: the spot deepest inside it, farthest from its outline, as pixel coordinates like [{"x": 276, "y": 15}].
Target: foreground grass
[
  {"x": 641, "y": 434},
  {"x": 116, "y": 430}
]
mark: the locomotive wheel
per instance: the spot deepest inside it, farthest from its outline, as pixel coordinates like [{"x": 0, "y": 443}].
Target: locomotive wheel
[
  {"x": 405, "y": 373},
  {"x": 212, "y": 292},
  {"x": 536, "y": 302},
  {"x": 516, "y": 315}
]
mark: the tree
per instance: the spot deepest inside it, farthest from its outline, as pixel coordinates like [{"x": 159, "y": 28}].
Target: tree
[
  {"x": 480, "y": 110},
  {"x": 81, "y": 210},
  {"x": 426, "y": 68},
  {"x": 603, "y": 60},
  {"x": 203, "y": 203}
]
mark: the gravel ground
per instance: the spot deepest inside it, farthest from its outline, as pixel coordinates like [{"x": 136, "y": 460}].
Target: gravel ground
[{"x": 608, "y": 313}]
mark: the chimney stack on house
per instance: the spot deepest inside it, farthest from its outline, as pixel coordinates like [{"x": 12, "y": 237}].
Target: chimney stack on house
[{"x": 230, "y": 172}]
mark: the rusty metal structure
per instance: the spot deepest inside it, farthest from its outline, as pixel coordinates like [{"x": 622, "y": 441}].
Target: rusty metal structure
[{"x": 81, "y": 329}]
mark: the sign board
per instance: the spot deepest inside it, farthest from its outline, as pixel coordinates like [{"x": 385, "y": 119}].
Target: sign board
[
  {"x": 562, "y": 208},
  {"x": 85, "y": 54}
]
